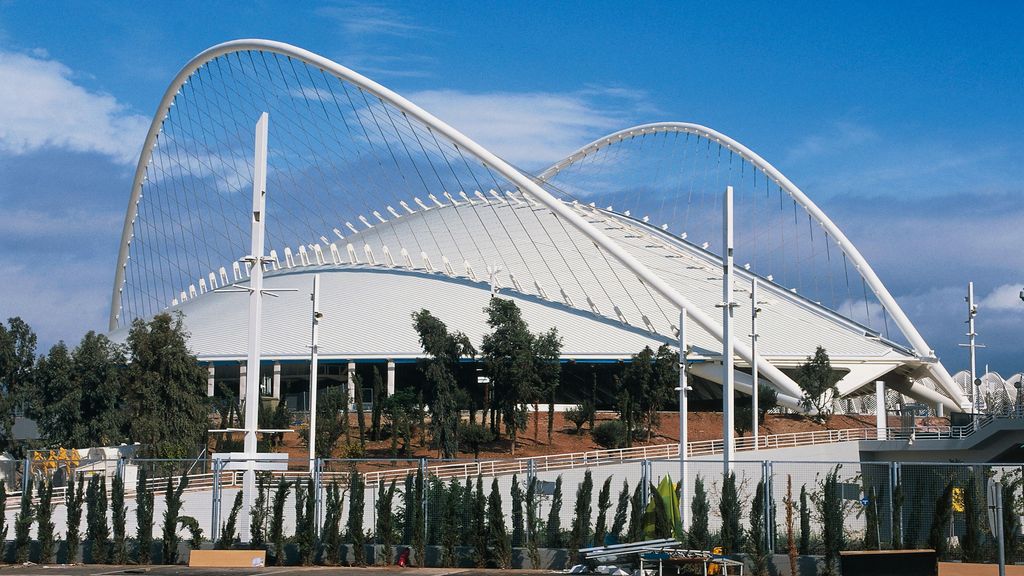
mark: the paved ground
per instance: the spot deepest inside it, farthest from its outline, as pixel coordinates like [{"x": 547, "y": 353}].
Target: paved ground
[{"x": 101, "y": 570}]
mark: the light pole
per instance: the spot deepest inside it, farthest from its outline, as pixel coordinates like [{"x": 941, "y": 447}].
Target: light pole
[
  {"x": 683, "y": 417},
  {"x": 728, "y": 377},
  {"x": 754, "y": 400},
  {"x": 313, "y": 372}
]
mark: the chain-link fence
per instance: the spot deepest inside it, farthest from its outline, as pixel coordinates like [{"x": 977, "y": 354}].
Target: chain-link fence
[{"x": 436, "y": 503}]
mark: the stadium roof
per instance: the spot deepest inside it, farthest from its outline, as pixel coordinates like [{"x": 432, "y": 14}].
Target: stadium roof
[{"x": 399, "y": 211}]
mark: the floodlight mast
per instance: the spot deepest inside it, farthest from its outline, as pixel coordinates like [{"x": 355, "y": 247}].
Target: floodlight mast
[
  {"x": 728, "y": 377},
  {"x": 754, "y": 400},
  {"x": 252, "y": 366},
  {"x": 684, "y": 436},
  {"x": 313, "y": 362}
]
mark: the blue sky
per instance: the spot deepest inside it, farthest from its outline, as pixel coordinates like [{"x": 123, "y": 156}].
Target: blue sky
[{"x": 903, "y": 121}]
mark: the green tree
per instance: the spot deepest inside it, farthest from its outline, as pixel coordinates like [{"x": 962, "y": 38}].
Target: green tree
[
  {"x": 619, "y": 521},
  {"x": 479, "y": 523},
  {"x": 3, "y": 516},
  {"x": 729, "y": 510},
  {"x": 75, "y": 497},
  {"x": 497, "y": 534},
  {"x": 830, "y": 509},
  {"x": 277, "y": 519},
  {"x": 805, "y": 522},
  {"x": 604, "y": 502},
  {"x": 98, "y": 531},
  {"x": 581, "y": 516},
  {"x": 817, "y": 380},
  {"x": 258, "y": 513},
  {"x": 305, "y": 521},
  {"x": 378, "y": 404},
  {"x": 547, "y": 366},
  {"x": 635, "y": 533},
  {"x": 871, "y": 520},
  {"x": 973, "y": 513},
  {"x": 119, "y": 552},
  {"x": 475, "y": 436},
  {"x": 757, "y": 549},
  {"x": 17, "y": 358},
  {"x": 163, "y": 373},
  {"x": 44, "y": 518},
  {"x": 443, "y": 350},
  {"x": 579, "y": 415},
  {"x": 554, "y": 524},
  {"x": 897, "y": 515},
  {"x": 227, "y": 537},
  {"x": 699, "y": 509},
  {"x": 357, "y": 399},
  {"x": 450, "y": 524},
  {"x": 518, "y": 529},
  {"x": 172, "y": 511},
  {"x": 532, "y": 534},
  {"x": 385, "y": 520},
  {"x": 23, "y": 525},
  {"x": 418, "y": 535},
  {"x": 355, "y": 518},
  {"x": 507, "y": 354},
  {"x": 331, "y": 424},
  {"x": 331, "y": 531},
  {"x": 937, "y": 536}
]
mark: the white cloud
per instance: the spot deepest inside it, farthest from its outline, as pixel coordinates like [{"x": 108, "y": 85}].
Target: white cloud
[
  {"x": 42, "y": 107},
  {"x": 533, "y": 129},
  {"x": 835, "y": 138},
  {"x": 1003, "y": 298}
]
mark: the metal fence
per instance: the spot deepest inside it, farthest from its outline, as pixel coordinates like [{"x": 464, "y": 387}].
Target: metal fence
[{"x": 907, "y": 499}]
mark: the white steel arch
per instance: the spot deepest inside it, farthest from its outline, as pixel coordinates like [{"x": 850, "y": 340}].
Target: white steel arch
[
  {"x": 935, "y": 368},
  {"x": 525, "y": 183}
]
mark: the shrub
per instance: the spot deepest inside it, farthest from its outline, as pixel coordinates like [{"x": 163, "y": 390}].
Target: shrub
[
  {"x": 611, "y": 434},
  {"x": 172, "y": 497},
  {"x": 831, "y": 512},
  {"x": 579, "y": 415},
  {"x": 258, "y": 514},
  {"x": 475, "y": 436}
]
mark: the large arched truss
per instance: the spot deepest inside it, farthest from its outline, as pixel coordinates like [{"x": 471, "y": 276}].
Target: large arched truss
[
  {"x": 935, "y": 369},
  {"x": 526, "y": 184}
]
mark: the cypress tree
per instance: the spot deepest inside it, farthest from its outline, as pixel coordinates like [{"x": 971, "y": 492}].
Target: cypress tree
[
  {"x": 408, "y": 508},
  {"x": 805, "y": 523},
  {"x": 468, "y": 521},
  {"x": 497, "y": 533},
  {"x": 331, "y": 532},
  {"x": 729, "y": 509},
  {"x": 360, "y": 413},
  {"x": 581, "y": 516},
  {"x": 258, "y": 514},
  {"x": 756, "y": 548},
  {"x": 699, "y": 509},
  {"x": 195, "y": 533},
  {"x": 940, "y": 521},
  {"x": 790, "y": 540},
  {"x": 385, "y": 526},
  {"x": 143, "y": 515},
  {"x": 227, "y": 530},
  {"x": 435, "y": 501},
  {"x": 531, "y": 524},
  {"x": 973, "y": 513},
  {"x": 172, "y": 498},
  {"x": 277, "y": 520},
  {"x": 450, "y": 524},
  {"x": 419, "y": 541},
  {"x": 897, "y": 516},
  {"x": 554, "y": 525},
  {"x": 98, "y": 532},
  {"x": 356, "y": 535},
  {"x": 871, "y": 521},
  {"x": 831, "y": 511},
  {"x": 517, "y": 513},
  {"x": 23, "y": 525},
  {"x": 604, "y": 502},
  {"x": 636, "y": 516},
  {"x": 378, "y": 404},
  {"x": 3, "y": 513},
  {"x": 619, "y": 521},
  {"x": 119, "y": 512},
  {"x": 479, "y": 525},
  {"x": 44, "y": 517},
  {"x": 305, "y": 505}
]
